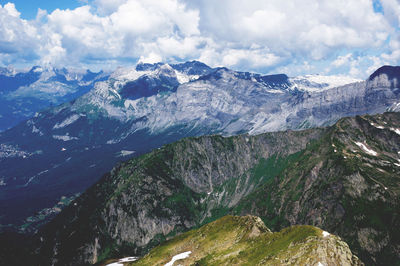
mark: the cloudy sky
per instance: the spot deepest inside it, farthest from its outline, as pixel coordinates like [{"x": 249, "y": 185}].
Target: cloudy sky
[{"x": 349, "y": 37}]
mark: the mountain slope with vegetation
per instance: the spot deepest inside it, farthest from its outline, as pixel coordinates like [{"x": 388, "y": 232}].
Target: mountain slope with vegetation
[
  {"x": 344, "y": 179},
  {"x": 169, "y": 190},
  {"x": 235, "y": 240},
  {"x": 348, "y": 183}
]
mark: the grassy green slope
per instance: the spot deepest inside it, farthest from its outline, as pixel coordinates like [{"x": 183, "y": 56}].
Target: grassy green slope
[
  {"x": 234, "y": 240},
  {"x": 340, "y": 187}
]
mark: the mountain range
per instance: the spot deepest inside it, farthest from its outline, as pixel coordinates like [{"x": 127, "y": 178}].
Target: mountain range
[
  {"x": 63, "y": 150},
  {"x": 340, "y": 174},
  {"x": 23, "y": 93},
  {"x": 343, "y": 179}
]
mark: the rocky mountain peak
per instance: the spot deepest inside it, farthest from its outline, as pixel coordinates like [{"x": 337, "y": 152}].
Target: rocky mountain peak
[
  {"x": 192, "y": 68},
  {"x": 147, "y": 66},
  {"x": 8, "y": 71},
  {"x": 392, "y": 72},
  {"x": 386, "y": 76},
  {"x": 165, "y": 70}
]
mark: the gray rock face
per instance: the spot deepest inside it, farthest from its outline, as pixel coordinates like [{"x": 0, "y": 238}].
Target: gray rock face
[{"x": 229, "y": 102}]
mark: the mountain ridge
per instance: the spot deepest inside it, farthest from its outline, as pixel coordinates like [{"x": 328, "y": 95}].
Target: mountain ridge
[
  {"x": 329, "y": 176},
  {"x": 95, "y": 131},
  {"x": 233, "y": 240},
  {"x": 23, "y": 93}
]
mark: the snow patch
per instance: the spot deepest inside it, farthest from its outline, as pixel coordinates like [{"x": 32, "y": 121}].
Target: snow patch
[
  {"x": 183, "y": 78},
  {"x": 395, "y": 107},
  {"x": 275, "y": 91},
  {"x": 181, "y": 256},
  {"x": 320, "y": 264},
  {"x": 366, "y": 149},
  {"x": 67, "y": 121},
  {"x": 121, "y": 261},
  {"x": 125, "y": 153},
  {"x": 38, "y": 69},
  {"x": 379, "y": 127},
  {"x": 36, "y": 130},
  {"x": 64, "y": 137},
  {"x": 325, "y": 234},
  {"x": 315, "y": 83},
  {"x": 395, "y": 130},
  {"x": 115, "y": 264},
  {"x": 129, "y": 259},
  {"x": 124, "y": 74}
]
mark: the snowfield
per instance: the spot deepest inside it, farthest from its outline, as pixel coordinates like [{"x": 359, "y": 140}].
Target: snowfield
[
  {"x": 121, "y": 261},
  {"x": 67, "y": 122},
  {"x": 366, "y": 149},
  {"x": 181, "y": 256}
]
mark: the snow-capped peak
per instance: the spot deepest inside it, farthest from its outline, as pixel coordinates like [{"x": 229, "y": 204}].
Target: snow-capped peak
[
  {"x": 183, "y": 78},
  {"x": 8, "y": 71},
  {"x": 315, "y": 83},
  {"x": 125, "y": 73},
  {"x": 37, "y": 69},
  {"x": 165, "y": 67}
]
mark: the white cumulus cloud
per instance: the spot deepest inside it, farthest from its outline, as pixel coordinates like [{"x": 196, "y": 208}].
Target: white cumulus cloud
[
  {"x": 18, "y": 38},
  {"x": 266, "y": 36}
]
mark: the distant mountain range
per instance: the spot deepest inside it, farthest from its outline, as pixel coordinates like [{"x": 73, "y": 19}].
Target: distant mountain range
[
  {"x": 63, "y": 150},
  {"x": 23, "y": 93}
]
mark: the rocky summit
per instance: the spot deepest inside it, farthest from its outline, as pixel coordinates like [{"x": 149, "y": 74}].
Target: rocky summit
[
  {"x": 235, "y": 240},
  {"x": 343, "y": 179}
]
